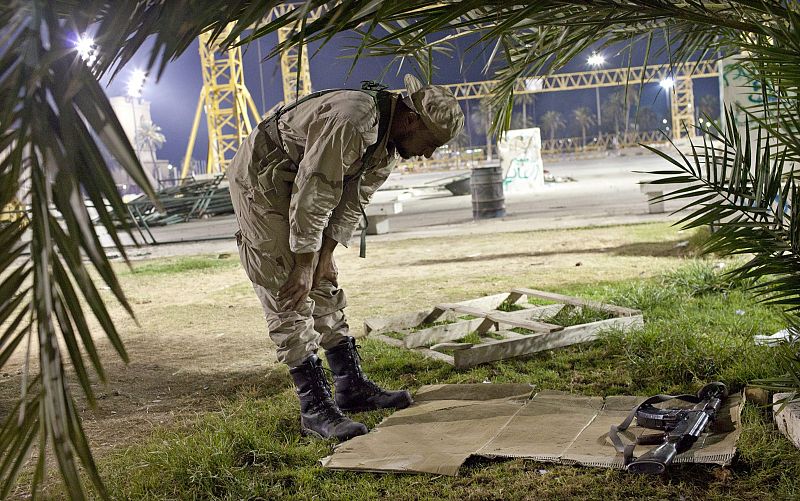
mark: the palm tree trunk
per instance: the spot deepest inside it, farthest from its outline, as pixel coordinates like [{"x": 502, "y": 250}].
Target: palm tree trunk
[
  {"x": 156, "y": 172},
  {"x": 524, "y": 114}
]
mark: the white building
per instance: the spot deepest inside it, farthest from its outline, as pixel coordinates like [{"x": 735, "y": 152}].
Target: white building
[{"x": 134, "y": 114}]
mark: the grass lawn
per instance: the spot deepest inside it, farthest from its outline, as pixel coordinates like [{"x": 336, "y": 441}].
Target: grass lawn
[{"x": 698, "y": 328}]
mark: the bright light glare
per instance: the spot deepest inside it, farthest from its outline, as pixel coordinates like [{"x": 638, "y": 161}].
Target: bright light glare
[
  {"x": 136, "y": 83},
  {"x": 86, "y": 49},
  {"x": 534, "y": 84},
  {"x": 667, "y": 83},
  {"x": 596, "y": 60}
]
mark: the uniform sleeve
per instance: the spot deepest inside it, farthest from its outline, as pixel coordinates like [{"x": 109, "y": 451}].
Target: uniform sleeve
[
  {"x": 332, "y": 145},
  {"x": 347, "y": 214}
]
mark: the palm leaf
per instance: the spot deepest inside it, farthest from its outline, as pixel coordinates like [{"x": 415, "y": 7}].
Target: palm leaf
[{"x": 54, "y": 116}]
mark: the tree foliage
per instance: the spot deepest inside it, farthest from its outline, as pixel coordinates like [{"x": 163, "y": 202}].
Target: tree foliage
[{"x": 55, "y": 118}]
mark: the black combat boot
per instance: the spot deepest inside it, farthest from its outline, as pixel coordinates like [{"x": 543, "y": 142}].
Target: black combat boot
[
  {"x": 319, "y": 415},
  {"x": 353, "y": 391}
]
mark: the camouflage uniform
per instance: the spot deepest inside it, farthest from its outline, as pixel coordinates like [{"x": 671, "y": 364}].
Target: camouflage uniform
[{"x": 285, "y": 205}]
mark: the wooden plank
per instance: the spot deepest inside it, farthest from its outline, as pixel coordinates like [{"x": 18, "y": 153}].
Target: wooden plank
[
  {"x": 787, "y": 418},
  {"x": 465, "y": 310},
  {"x": 534, "y": 312},
  {"x": 443, "y": 357},
  {"x": 440, "y": 333},
  {"x": 434, "y": 315},
  {"x": 521, "y": 318},
  {"x": 485, "y": 302},
  {"x": 475, "y": 307},
  {"x": 398, "y": 343},
  {"x": 510, "y": 334},
  {"x": 515, "y": 347},
  {"x": 400, "y": 322},
  {"x": 514, "y": 297},
  {"x": 452, "y": 346},
  {"x": 486, "y": 325},
  {"x": 513, "y": 320},
  {"x": 610, "y": 308}
]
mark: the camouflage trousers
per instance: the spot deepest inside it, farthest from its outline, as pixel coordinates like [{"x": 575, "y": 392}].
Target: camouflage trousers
[{"x": 260, "y": 186}]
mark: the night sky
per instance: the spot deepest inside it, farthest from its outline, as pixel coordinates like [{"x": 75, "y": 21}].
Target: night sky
[{"x": 174, "y": 97}]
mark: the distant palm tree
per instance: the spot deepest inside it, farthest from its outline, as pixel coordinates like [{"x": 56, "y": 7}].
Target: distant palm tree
[
  {"x": 614, "y": 109},
  {"x": 520, "y": 122},
  {"x": 482, "y": 119},
  {"x": 585, "y": 119},
  {"x": 552, "y": 122},
  {"x": 646, "y": 118},
  {"x": 149, "y": 137},
  {"x": 709, "y": 107},
  {"x": 526, "y": 99}
]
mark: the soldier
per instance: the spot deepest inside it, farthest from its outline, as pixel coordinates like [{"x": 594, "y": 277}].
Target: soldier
[{"x": 298, "y": 184}]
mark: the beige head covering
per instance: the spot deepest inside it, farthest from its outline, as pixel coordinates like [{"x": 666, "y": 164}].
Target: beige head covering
[{"x": 438, "y": 108}]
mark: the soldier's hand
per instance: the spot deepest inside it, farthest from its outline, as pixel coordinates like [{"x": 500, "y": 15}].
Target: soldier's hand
[
  {"x": 326, "y": 270},
  {"x": 297, "y": 286}
]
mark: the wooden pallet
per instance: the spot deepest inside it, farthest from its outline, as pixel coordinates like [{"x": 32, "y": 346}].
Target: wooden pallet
[{"x": 449, "y": 325}]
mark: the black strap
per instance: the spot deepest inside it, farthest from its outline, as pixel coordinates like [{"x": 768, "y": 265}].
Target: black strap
[
  {"x": 614, "y": 435},
  {"x": 383, "y": 101}
]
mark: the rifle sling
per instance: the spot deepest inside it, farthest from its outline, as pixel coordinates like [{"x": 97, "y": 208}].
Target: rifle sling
[
  {"x": 614, "y": 433},
  {"x": 383, "y": 101}
]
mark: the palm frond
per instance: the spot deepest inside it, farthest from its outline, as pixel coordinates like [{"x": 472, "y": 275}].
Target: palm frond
[
  {"x": 54, "y": 116},
  {"x": 739, "y": 186}
]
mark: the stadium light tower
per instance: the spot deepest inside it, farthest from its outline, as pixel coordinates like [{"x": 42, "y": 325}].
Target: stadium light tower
[
  {"x": 134, "y": 94},
  {"x": 667, "y": 83},
  {"x": 136, "y": 83},
  {"x": 596, "y": 60}
]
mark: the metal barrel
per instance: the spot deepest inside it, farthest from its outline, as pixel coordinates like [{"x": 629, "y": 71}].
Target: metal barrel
[{"x": 488, "y": 200}]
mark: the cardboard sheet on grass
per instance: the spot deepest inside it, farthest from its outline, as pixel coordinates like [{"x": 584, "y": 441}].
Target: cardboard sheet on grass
[{"x": 449, "y": 423}]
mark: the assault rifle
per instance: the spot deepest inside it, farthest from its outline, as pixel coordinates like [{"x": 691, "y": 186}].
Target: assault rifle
[{"x": 681, "y": 427}]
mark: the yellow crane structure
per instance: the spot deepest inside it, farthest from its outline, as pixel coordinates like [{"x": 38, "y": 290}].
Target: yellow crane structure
[
  {"x": 228, "y": 105},
  {"x": 682, "y": 89},
  {"x": 226, "y": 101}
]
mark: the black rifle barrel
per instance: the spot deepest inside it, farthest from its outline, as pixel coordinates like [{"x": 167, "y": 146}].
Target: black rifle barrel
[{"x": 685, "y": 434}]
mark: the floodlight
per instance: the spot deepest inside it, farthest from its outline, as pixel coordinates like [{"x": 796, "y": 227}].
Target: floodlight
[
  {"x": 136, "y": 83},
  {"x": 86, "y": 49},
  {"x": 667, "y": 83},
  {"x": 596, "y": 60}
]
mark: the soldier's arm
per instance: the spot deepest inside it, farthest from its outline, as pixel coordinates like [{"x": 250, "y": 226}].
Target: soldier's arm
[
  {"x": 332, "y": 145},
  {"x": 346, "y": 215}
]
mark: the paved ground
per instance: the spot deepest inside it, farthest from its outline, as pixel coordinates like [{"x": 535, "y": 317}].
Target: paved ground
[{"x": 605, "y": 192}]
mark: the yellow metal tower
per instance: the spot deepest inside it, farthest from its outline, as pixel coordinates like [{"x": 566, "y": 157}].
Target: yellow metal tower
[
  {"x": 294, "y": 62},
  {"x": 682, "y": 107},
  {"x": 293, "y": 73},
  {"x": 681, "y": 98},
  {"x": 226, "y": 102}
]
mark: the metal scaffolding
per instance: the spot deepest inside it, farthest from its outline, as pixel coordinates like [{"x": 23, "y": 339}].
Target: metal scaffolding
[
  {"x": 226, "y": 100},
  {"x": 294, "y": 62},
  {"x": 227, "y": 104},
  {"x": 681, "y": 102}
]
